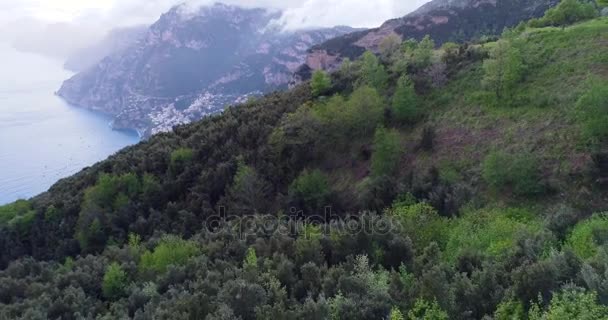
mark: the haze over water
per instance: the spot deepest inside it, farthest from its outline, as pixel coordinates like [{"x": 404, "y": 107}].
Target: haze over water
[{"x": 42, "y": 138}]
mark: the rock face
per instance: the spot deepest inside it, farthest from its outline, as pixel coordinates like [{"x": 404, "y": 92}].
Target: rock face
[
  {"x": 193, "y": 63},
  {"x": 443, "y": 20}
]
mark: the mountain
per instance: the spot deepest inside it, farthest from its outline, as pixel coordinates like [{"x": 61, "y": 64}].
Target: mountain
[
  {"x": 369, "y": 196},
  {"x": 443, "y": 20},
  {"x": 115, "y": 42},
  {"x": 193, "y": 63}
]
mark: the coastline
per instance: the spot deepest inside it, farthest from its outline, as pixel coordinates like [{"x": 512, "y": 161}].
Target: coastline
[{"x": 112, "y": 123}]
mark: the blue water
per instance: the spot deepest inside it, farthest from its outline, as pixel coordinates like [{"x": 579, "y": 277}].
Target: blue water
[{"x": 43, "y": 139}]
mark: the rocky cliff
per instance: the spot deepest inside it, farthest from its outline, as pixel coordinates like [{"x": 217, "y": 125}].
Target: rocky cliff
[
  {"x": 193, "y": 63},
  {"x": 443, "y": 20}
]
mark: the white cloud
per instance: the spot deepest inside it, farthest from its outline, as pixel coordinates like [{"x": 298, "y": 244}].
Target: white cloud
[
  {"x": 297, "y": 13},
  {"x": 59, "y": 27}
]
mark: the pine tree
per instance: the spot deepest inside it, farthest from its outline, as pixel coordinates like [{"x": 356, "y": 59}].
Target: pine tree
[
  {"x": 320, "y": 83},
  {"x": 114, "y": 281},
  {"x": 405, "y": 104},
  {"x": 387, "y": 151}
]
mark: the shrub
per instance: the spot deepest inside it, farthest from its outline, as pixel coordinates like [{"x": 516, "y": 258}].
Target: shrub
[
  {"x": 171, "y": 250},
  {"x": 493, "y": 232},
  {"x": 320, "y": 83},
  {"x": 592, "y": 109},
  {"x": 518, "y": 173},
  {"x": 422, "y": 223},
  {"x": 387, "y": 151},
  {"x": 588, "y": 236},
  {"x": 114, "y": 282}
]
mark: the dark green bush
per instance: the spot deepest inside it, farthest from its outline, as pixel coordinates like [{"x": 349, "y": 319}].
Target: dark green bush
[
  {"x": 518, "y": 173},
  {"x": 310, "y": 191}
]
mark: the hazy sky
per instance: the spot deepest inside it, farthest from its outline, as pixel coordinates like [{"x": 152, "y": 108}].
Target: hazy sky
[{"x": 298, "y": 13}]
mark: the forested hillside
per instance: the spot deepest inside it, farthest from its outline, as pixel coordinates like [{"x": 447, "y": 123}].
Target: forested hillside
[{"x": 461, "y": 183}]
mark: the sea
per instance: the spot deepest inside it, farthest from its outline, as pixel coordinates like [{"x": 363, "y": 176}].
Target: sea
[{"x": 42, "y": 138}]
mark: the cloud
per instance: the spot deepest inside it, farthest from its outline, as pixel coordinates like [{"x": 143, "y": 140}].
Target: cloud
[
  {"x": 297, "y": 13},
  {"x": 59, "y": 27}
]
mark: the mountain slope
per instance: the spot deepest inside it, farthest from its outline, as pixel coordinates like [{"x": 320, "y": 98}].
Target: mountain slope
[
  {"x": 485, "y": 205},
  {"x": 191, "y": 64},
  {"x": 443, "y": 20}
]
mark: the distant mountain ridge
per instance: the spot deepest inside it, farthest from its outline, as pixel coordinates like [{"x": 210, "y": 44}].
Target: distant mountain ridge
[
  {"x": 193, "y": 63},
  {"x": 443, "y": 20}
]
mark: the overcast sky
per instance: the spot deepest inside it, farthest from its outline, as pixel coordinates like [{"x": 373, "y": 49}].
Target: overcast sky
[{"x": 297, "y": 13}]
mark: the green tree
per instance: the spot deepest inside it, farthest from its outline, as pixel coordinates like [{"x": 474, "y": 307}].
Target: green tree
[
  {"x": 405, "y": 102},
  {"x": 390, "y": 47},
  {"x": 568, "y": 12},
  {"x": 424, "y": 310},
  {"x": 180, "y": 158},
  {"x": 503, "y": 71},
  {"x": 387, "y": 151},
  {"x": 310, "y": 190},
  {"x": 320, "y": 83},
  {"x": 571, "y": 303},
  {"x": 364, "y": 111},
  {"x": 592, "y": 109},
  {"x": 372, "y": 73},
  {"x": 251, "y": 259},
  {"x": 423, "y": 54},
  {"x": 114, "y": 282},
  {"x": 510, "y": 310},
  {"x": 248, "y": 192},
  {"x": 396, "y": 314},
  {"x": 171, "y": 250}
]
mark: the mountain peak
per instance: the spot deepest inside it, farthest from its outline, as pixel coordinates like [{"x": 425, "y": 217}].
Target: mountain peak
[{"x": 193, "y": 62}]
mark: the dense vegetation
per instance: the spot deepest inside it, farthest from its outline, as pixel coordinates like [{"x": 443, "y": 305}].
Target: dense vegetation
[{"x": 459, "y": 183}]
